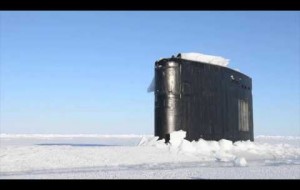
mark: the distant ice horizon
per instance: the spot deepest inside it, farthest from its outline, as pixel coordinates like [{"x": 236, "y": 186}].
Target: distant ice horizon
[{"x": 130, "y": 135}]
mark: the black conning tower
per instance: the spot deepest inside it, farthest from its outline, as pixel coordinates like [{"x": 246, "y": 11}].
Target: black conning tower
[{"x": 205, "y": 100}]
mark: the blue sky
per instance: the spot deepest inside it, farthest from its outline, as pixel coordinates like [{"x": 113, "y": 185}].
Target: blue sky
[{"x": 88, "y": 72}]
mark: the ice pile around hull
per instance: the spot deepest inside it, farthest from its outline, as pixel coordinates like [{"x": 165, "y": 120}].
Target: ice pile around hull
[{"x": 224, "y": 150}]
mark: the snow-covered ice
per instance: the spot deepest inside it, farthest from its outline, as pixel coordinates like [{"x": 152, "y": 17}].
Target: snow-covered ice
[{"x": 144, "y": 156}]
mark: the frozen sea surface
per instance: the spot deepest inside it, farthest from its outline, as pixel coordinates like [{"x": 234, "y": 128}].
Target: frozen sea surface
[{"x": 124, "y": 157}]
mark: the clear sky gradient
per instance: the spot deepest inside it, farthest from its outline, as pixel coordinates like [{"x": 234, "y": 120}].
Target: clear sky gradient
[{"x": 88, "y": 72}]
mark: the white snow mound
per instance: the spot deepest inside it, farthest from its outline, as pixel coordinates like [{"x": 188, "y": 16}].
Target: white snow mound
[
  {"x": 240, "y": 162},
  {"x": 177, "y": 137},
  {"x": 215, "y": 60}
]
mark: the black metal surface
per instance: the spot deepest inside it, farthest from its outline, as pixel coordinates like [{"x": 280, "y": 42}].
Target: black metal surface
[{"x": 207, "y": 101}]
